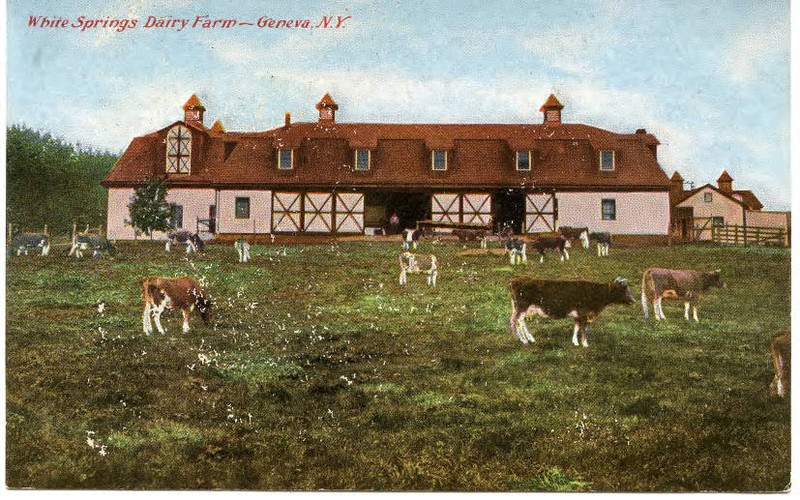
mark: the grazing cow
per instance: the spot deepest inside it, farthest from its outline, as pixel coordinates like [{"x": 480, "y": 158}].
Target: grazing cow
[
  {"x": 573, "y": 233},
  {"x": 411, "y": 263},
  {"x": 21, "y": 243},
  {"x": 559, "y": 243},
  {"x": 172, "y": 293},
  {"x": 603, "y": 243},
  {"x": 191, "y": 240},
  {"x": 95, "y": 242},
  {"x": 781, "y": 352},
  {"x": 580, "y": 300},
  {"x": 686, "y": 285},
  {"x": 411, "y": 237},
  {"x": 243, "y": 249},
  {"x": 465, "y": 235},
  {"x": 517, "y": 250}
]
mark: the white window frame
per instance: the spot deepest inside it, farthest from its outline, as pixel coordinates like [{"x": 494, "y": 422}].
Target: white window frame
[
  {"x": 613, "y": 160},
  {"x": 433, "y": 160},
  {"x": 530, "y": 160},
  {"x": 291, "y": 161},
  {"x": 355, "y": 160}
]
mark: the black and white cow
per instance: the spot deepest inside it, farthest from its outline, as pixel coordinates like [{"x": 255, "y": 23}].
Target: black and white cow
[
  {"x": 517, "y": 250},
  {"x": 21, "y": 243},
  {"x": 582, "y": 301},
  {"x": 191, "y": 240},
  {"x": 579, "y": 233},
  {"x": 411, "y": 237},
  {"x": 411, "y": 263},
  {"x": 603, "y": 241},
  {"x": 95, "y": 242},
  {"x": 557, "y": 243}
]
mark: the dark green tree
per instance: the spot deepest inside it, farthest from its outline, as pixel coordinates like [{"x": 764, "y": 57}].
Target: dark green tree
[{"x": 149, "y": 210}]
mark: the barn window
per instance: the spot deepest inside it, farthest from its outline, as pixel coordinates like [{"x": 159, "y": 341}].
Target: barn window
[
  {"x": 708, "y": 197},
  {"x": 179, "y": 150},
  {"x": 363, "y": 158},
  {"x": 177, "y": 216},
  {"x": 607, "y": 158},
  {"x": 609, "y": 209},
  {"x": 242, "y": 208},
  {"x": 285, "y": 159},
  {"x": 524, "y": 160},
  {"x": 439, "y": 159}
]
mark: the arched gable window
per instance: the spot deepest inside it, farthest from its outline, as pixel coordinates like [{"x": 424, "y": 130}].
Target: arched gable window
[{"x": 179, "y": 150}]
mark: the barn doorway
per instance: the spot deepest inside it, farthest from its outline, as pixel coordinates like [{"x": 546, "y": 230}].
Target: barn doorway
[
  {"x": 379, "y": 206},
  {"x": 509, "y": 209}
]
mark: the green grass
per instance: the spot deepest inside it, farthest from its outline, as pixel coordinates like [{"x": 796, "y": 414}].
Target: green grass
[{"x": 318, "y": 371}]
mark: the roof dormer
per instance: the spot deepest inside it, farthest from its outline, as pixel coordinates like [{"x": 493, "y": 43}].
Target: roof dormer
[
  {"x": 327, "y": 109},
  {"x": 552, "y": 110}
]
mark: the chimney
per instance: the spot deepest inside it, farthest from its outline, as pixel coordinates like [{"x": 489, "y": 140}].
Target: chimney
[
  {"x": 327, "y": 109},
  {"x": 676, "y": 186},
  {"x": 552, "y": 110},
  {"x": 287, "y": 120},
  {"x": 725, "y": 182},
  {"x": 193, "y": 111}
]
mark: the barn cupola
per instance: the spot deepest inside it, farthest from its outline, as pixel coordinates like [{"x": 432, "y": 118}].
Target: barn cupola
[
  {"x": 725, "y": 182},
  {"x": 217, "y": 127},
  {"x": 327, "y": 109},
  {"x": 193, "y": 111},
  {"x": 552, "y": 110}
]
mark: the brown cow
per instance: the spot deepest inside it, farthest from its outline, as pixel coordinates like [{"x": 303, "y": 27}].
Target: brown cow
[
  {"x": 687, "y": 285},
  {"x": 172, "y": 293},
  {"x": 580, "y": 300},
  {"x": 781, "y": 352}
]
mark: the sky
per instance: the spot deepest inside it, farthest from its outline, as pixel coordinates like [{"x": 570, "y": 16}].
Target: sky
[{"x": 709, "y": 78}]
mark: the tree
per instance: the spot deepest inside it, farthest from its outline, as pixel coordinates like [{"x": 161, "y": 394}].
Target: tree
[{"x": 149, "y": 210}]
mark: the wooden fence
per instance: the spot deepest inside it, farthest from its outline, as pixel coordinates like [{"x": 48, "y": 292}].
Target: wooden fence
[{"x": 734, "y": 234}]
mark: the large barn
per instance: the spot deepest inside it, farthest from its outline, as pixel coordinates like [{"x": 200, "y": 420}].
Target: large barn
[{"x": 328, "y": 177}]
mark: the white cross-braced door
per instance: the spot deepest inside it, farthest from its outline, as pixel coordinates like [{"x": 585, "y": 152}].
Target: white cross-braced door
[
  {"x": 540, "y": 213},
  {"x": 318, "y": 213},
  {"x": 286, "y": 212},
  {"x": 445, "y": 207},
  {"x": 477, "y": 208},
  {"x": 349, "y": 212}
]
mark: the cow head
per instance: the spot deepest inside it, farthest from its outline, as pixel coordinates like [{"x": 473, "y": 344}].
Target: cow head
[
  {"x": 622, "y": 292},
  {"x": 713, "y": 279},
  {"x": 203, "y": 306}
]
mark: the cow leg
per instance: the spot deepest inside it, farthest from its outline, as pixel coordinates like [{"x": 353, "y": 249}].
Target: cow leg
[
  {"x": 524, "y": 253},
  {"x": 605, "y": 248},
  {"x": 599, "y": 254},
  {"x": 414, "y": 245},
  {"x": 528, "y": 338},
  {"x": 686, "y": 306},
  {"x": 661, "y": 308},
  {"x": 46, "y": 250},
  {"x": 575, "y": 331},
  {"x": 515, "y": 326},
  {"x": 433, "y": 277},
  {"x": 644, "y": 305},
  {"x": 541, "y": 257},
  {"x": 167, "y": 246},
  {"x": 585, "y": 334},
  {"x": 157, "y": 320},
  {"x": 147, "y": 326},
  {"x": 566, "y": 254},
  {"x": 657, "y": 309},
  {"x": 512, "y": 257},
  {"x": 185, "y": 320},
  {"x": 246, "y": 254},
  {"x": 403, "y": 277},
  {"x": 694, "y": 313}
]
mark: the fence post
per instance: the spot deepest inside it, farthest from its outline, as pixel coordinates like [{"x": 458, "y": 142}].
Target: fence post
[
  {"x": 45, "y": 229},
  {"x": 758, "y": 236}
]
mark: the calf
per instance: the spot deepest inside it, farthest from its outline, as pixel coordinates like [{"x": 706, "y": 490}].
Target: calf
[
  {"x": 580, "y": 300},
  {"x": 781, "y": 352},
  {"x": 21, "y": 243},
  {"x": 411, "y": 237},
  {"x": 411, "y": 263},
  {"x": 517, "y": 250},
  {"x": 191, "y": 240},
  {"x": 573, "y": 233},
  {"x": 172, "y": 293},
  {"x": 687, "y": 285},
  {"x": 95, "y": 242},
  {"x": 465, "y": 235},
  {"x": 558, "y": 243},
  {"x": 243, "y": 249},
  {"x": 603, "y": 242}
]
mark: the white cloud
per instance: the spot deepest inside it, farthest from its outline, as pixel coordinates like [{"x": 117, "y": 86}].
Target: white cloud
[
  {"x": 572, "y": 49},
  {"x": 751, "y": 49}
]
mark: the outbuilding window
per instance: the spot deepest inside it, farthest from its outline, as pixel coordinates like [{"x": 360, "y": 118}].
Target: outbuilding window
[
  {"x": 609, "y": 209},
  {"x": 177, "y": 216},
  {"x": 524, "y": 160},
  {"x": 285, "y": 159},
  {"x": 242, "y": 208},
  {"x": 363, "y": 158},
  {"x": 439, "y": 159},
  {"x": 179, "y": 150},
  {"x": 607, "y": 161},
  {"x": 718, "y": 221},
  {"x": 708, "y": 197}
]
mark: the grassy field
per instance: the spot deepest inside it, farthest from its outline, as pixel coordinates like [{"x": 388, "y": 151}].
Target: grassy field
[{"x": 318, "y": 371}]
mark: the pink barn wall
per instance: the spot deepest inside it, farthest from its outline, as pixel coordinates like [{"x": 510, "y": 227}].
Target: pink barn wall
[
  {"x": 260, "y": 220},
  {"x": 195, "y": 203},
  {"x": 644, "y": 213}
]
